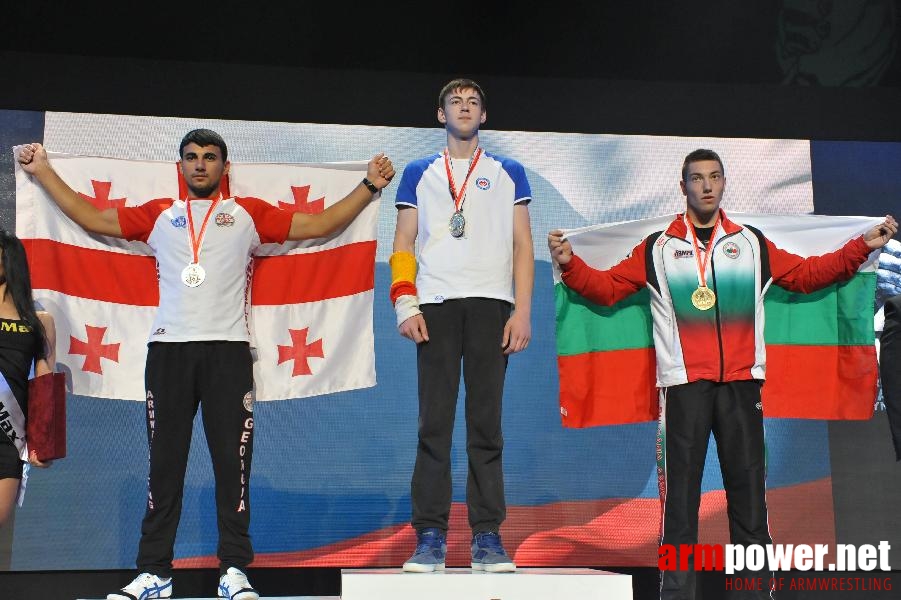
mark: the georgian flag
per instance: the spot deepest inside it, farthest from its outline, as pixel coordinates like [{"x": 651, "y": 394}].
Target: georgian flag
[{"x": 310, "y": 302}]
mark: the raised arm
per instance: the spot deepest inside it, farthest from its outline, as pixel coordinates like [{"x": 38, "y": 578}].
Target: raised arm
[
  {"x": 809, "y": 274},
  {"x": 34, "y": 161},
  {"x": 601, "y": 287},
  {"x": 305, "y": 226}
]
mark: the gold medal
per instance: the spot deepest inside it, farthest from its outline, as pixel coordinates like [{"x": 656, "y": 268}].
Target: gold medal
[{"x": 703, "y": 298}]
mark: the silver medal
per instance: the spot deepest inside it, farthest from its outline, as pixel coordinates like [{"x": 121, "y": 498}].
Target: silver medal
[
  {"x": 193, "y": 275},
  {"x": 457, "y": 224}
]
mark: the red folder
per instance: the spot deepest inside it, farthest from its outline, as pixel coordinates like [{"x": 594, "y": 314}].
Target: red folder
[{"x": 46, "y": 427}]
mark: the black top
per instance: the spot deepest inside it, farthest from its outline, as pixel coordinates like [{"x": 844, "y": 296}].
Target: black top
[
  {"x": 20, "y": 346},
  {"x": 890, "y": 368},
  {"x": 703, "y": 234},
  {"x": 891, "y": 332}
]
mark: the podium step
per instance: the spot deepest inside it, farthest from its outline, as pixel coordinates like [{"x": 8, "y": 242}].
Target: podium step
[{"x": 466, "y": 584}]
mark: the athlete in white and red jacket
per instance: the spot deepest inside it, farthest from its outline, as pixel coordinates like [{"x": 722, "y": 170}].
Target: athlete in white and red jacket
[{"x": 707, "y": 277}]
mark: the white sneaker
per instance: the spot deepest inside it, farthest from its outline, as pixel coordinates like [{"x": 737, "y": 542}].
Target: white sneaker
[
  {"x": 144, "y": 587},
  {"x": 234, "y": 586}
]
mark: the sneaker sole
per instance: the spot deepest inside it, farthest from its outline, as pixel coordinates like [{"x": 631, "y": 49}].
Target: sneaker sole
[
  {"x": 494, "y": 568},
  {"x": 419, "y": 568},
  {"x": 118, "y": 596}
]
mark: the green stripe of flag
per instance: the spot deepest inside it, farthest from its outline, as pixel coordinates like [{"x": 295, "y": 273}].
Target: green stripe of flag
[
  {"x": 841, "y": 314},
  {"x": 586, "y": 327}
]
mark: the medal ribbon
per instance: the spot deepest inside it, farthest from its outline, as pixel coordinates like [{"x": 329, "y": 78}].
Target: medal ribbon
[
  {"x": 458, "y": 198},
  {"x": 702, "y": 268},
  {"x": 194, "y": 243}
]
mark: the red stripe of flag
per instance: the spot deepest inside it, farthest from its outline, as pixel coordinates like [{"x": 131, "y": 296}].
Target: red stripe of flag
[
  {"x": 295, "y": 278},
  {"x": 94, "y": 274},
  {"x": 820, "y": 382},
  {"x": 131, "y": 279},
  {"x": 608, "y": 388}
]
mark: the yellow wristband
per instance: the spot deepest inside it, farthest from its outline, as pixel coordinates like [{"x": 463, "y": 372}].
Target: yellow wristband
[{"x": 403, "y": 267}]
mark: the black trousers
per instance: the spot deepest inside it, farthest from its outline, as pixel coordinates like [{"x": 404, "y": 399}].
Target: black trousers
[
  {"x": 179, "y": 377},
  {"x": 890, "y": 369},
  {"x": 468, "y": 330},
  {"x": 689, "y": 413}
]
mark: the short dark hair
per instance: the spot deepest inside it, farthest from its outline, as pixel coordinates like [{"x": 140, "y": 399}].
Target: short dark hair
[
  {"x": 204, "y": 137},
  {"x": 698, "y": 155},
  {"x": 461, "y": 83}
]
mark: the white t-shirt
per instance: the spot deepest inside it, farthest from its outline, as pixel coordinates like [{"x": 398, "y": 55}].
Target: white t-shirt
[
  {"x": 217, "y": 308},
  {"x": 480, "y": 263}
]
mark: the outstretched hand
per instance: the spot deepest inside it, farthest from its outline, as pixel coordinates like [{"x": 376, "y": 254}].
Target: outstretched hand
[
  {"x": 882, "y": 233},
  {"x": 380, "y": 171},
  {"x": 32, "y": 157},
  {"x": 561, "y": 249}
]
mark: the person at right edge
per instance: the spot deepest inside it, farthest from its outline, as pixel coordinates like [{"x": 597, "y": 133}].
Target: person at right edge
[
  {"x": 888, "y": 298},
  {"x": 707, "y": 276},
  {"x": 890, "y": 368},
  {"x": 469, "y": 209}
]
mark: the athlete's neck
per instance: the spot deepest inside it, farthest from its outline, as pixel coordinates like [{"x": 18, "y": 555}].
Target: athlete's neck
[
  {"x": 462, "y": 148},
  {"x": 702, "y": 220},
  {"x": 210, "y": 196}
]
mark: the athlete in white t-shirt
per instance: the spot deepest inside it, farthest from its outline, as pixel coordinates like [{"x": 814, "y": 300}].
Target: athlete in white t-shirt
[
  {"x": 199, "y": 353},
  {"x": 469, "y": 211}
]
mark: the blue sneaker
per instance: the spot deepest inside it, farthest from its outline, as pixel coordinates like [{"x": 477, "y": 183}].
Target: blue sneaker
[
  {"x": 488, "y": 554},
  {"x": 431, "y": 548}
]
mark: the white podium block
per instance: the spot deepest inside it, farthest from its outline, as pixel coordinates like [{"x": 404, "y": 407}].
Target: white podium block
[{"x": 466, "y": 584}]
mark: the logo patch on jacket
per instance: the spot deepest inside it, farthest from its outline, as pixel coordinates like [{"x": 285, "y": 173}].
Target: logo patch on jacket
[
  {"x": 731, "y": 249},
  {"x": 224, "y": 220},
  {"x": 683, "y": 253},
  {"x": 179, "y": 221},
  {"x": 483, "y": 183}
]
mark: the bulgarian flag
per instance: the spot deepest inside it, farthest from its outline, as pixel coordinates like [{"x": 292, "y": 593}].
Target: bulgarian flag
[
  {"x": 821, "y": 356},
  {"x": 310, "y": 303}
]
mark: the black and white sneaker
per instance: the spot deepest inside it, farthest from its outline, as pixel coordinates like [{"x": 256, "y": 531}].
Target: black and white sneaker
[
  {"x": 144, "y": 587},
  {"x": 234, "y": 586}
]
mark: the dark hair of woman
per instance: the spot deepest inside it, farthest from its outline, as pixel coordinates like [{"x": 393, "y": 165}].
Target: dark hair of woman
[{"x": 18, "y": 281}]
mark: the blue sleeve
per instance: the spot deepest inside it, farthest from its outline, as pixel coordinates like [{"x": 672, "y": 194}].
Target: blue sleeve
[
  {"x": 523, "y": 193},
  {"x": 409, "y": 181}
]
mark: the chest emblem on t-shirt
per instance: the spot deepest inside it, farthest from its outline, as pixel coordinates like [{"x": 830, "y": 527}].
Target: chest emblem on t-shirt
[
  {"x": 224, "y": 220},
  {"x": 179, "y": 221},
  {"x": 731, "y": 249},
  {"x": 483, "y": 183}
]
